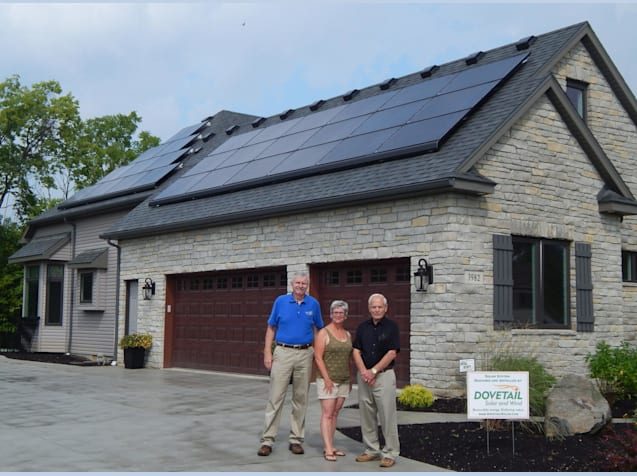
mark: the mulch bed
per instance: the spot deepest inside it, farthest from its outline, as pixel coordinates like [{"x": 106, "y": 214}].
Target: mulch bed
[
  {"x": 462, "y": 446},
  {"x": 50, "y": 357}
]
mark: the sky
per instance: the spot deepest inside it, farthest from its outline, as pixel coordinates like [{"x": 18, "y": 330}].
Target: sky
[{"x": 175, "y": 63}]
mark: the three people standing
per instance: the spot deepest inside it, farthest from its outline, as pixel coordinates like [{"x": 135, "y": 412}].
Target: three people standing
[{"x": 295, "y": 324}]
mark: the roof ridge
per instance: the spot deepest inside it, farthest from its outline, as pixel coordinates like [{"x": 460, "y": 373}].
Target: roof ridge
[{"x": 398, "y": 81}]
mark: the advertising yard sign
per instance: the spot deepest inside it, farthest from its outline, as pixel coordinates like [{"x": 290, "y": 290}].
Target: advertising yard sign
[{"x": 498, "y": 395}]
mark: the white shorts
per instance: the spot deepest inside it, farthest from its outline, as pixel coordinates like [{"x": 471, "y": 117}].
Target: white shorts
[{"x": 340, "y": 390}]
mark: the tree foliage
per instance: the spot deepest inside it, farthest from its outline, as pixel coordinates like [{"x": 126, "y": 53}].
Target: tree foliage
[
  {"x": 104, "y": 144},
  {"x": 10, "y": 277},
  {"x": 33, "y": 123},
  {"x": 47, "y": 151}
]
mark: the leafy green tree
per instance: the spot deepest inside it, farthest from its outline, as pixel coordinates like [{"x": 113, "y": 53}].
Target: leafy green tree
[
  {"x": 104, "y": 144},
  {"x": 10, "y": 277},
  {"x": 47, "y": 151},
  {"x": 33, "y": 122}
]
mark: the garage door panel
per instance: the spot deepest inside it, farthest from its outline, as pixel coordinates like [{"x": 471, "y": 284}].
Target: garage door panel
[
  {"x": 220, "y": 319},
  {"x": 354, "y": 282}
]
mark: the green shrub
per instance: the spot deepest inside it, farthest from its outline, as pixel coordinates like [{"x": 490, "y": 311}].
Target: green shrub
[
  {"x": 615, "y": 369},
  {"x": 416, "y": 396},
  {"x": 540, "y": 381}
]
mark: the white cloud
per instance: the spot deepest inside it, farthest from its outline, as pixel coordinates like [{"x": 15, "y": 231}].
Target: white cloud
[{"x": 175, "y": 63}]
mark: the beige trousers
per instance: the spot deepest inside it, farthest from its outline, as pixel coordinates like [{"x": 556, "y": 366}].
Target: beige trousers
[
  {"x": 297, "y": 365},
  {"x": 377, "y": 404}
]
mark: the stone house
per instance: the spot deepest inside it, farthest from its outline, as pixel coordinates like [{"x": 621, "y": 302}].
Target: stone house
[{"x": 506, "y": 175}]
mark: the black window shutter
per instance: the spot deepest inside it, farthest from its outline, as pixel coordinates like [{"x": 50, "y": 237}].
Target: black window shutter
[
  {"x": 584, "y": 288},
  {"x": 502, "y": 281}
]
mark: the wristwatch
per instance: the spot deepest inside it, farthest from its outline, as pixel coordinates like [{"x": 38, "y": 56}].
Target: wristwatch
[{"x": 374, "y": 371}]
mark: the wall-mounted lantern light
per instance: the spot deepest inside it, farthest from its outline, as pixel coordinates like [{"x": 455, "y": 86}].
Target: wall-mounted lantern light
[
  {"x": 148, "y": 288},
  {"x": 424, "y": 276}
]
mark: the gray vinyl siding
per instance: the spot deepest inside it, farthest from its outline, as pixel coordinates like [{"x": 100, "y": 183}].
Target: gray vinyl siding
[{"x": 94, "y": 325}]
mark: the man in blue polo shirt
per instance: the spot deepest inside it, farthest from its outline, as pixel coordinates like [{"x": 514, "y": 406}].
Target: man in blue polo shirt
[{"x": 294, "y": 320}]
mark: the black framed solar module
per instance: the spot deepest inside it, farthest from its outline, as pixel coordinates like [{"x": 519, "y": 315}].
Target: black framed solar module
[{"x": 394, "y": 123}]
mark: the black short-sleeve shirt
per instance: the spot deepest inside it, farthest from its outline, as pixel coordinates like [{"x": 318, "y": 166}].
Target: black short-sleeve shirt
[{"x": 374, "y": 341}]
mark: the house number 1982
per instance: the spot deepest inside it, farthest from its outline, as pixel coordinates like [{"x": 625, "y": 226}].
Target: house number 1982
[{"x": 474, "y": 277}]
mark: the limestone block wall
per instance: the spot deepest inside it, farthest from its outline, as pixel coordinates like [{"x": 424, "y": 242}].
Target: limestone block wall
[
  {"x": 547, "y": 188},
  {"x": 617, "y": 134}
]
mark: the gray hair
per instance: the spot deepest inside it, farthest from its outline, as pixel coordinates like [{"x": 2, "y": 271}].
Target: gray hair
[
  {"x": 300, "y": 274},
  {"x": 376, "y": 295},
  {"x": 339, "y": 303}
]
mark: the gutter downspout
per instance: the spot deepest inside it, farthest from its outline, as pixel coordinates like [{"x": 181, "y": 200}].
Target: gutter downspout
[
  {"x": 117, "y": 287},
  {"x": 72, "y": 306}
]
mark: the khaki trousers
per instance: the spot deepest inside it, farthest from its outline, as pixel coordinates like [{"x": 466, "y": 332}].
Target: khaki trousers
[
  {"x": 286, "y": 363},
  {"x": 377, "y": 404}
]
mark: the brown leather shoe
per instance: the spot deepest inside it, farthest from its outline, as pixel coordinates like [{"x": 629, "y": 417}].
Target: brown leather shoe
[
  {"x": 387, "y": 463},
  {"x": 265, "y": 450},
  {"x": 296, "y": 448},
  {"x": 365, "y": 457}
]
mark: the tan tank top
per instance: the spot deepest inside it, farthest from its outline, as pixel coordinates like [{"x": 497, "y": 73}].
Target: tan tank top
[{"x": 336, "y": 358}]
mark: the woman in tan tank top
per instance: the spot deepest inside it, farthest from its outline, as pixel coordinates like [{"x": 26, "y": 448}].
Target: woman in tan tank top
[{"x": 332, "y": 353}]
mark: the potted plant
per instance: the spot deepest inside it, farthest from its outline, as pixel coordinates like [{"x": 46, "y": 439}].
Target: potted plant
[{"x": 134, "y": 346}]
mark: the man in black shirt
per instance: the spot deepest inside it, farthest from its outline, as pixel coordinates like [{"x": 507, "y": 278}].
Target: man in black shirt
[{"x": 376, "y": 344}]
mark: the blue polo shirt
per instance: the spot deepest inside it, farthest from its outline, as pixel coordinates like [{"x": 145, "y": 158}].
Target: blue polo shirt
[{"x": 295, "y": 322}]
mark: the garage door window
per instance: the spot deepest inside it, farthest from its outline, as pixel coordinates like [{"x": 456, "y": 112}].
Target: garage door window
[
  {"x": 354, "y": 276},
  {"x": 378, "y": 275}
]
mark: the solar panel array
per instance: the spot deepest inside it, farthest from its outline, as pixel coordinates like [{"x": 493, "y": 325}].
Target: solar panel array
[
  {"x": 141, "y": 174},
  {"x": 394, "y": 123}
]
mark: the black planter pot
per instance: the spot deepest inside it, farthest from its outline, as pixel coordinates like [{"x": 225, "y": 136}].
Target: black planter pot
[{"x": 134, "y": 357}]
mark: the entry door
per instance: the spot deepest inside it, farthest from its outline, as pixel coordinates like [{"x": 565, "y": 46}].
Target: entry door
[{"x": 132, "y": 297}]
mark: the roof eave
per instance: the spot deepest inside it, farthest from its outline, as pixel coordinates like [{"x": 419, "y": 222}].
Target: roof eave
[
  {"x": 551, "y": 88},
  {"x": 586, "y": 139},
  {"x": 465, "y": 184},
  {"x": 90, "y": 210},
  {"x": 618, "y": 208}
]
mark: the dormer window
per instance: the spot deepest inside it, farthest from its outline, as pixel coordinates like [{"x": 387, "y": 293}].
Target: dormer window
[{"x": 576, "y": 92}]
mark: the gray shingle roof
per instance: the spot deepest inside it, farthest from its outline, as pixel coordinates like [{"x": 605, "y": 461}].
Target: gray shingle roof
[
  {"x": 95, "y": 258},
  {"x": 40, "y": 248},
  {"x": 449, "y": 168}
]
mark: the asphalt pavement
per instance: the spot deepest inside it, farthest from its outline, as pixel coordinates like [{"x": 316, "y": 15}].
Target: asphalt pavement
[{"x": 67, "y": 418}]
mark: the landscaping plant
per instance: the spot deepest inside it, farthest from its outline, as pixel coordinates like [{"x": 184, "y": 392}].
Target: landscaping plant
[
  {"x": 416, "y": 396},
  {"x": 540, "y": 381},
  {"x": 615, "y": 369},
  {"x": 136, "y": 340}
]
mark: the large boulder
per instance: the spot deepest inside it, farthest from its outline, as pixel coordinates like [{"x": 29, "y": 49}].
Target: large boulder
[{"x": 575, "y": 405}]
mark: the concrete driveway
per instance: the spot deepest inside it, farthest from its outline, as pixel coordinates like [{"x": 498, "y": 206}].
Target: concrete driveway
[{"x": 67, "y": 418}]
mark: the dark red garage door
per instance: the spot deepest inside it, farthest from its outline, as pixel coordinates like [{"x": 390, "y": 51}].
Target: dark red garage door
[
  {"x": 354, "y": 282},
  {"x": 219, "y": 319}
]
